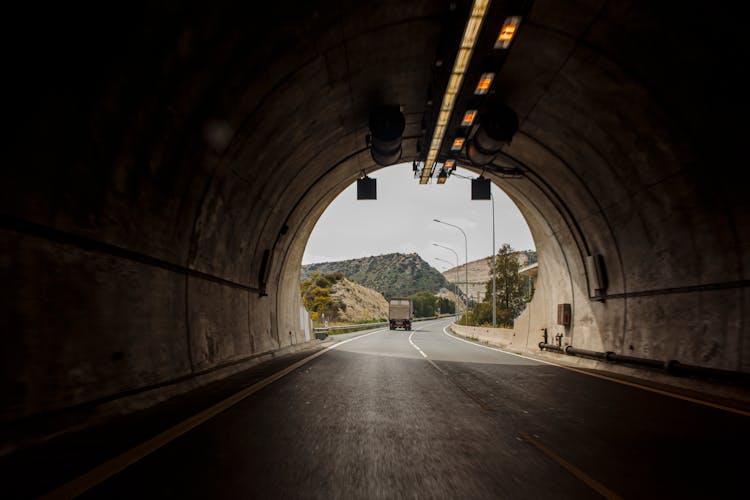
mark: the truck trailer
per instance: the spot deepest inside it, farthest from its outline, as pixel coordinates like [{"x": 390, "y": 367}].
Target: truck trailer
[{"x": 400, "y": 312}]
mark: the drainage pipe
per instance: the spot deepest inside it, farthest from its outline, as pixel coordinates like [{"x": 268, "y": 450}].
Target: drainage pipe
[
  {"x": 551, "y": 347},
  {"x": 653, "y": 363},
  {"x": 673, "y": 367},
  {"x": 573, "y": 351}
]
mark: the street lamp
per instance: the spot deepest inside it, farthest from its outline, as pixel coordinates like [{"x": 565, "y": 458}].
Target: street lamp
[
  {"x": 466, "y": 267},
  {"x": 480, "y": 196},
  {"x": 494, "y": 269},
  {"x": 443, "y": 260},
  {"x": 451, "y": 264},
  {"x": 457, "y": 264}
]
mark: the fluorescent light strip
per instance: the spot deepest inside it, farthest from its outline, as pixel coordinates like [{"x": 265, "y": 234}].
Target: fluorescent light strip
[{"x": 466, "y": 48}]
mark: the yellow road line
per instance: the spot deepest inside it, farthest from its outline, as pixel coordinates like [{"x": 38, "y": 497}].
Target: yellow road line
[
  {"x": 108, "y": 469},
  {"x": 612, "y": 379},
  {"x": 590, "y": 481},
  {"x": 660, "y": 391}
]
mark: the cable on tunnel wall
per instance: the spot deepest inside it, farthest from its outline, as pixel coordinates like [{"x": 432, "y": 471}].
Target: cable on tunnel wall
[
  {"x": 562, "y": 209},
  {"x": 593, "y": 198},
  {"x": 82, "y": 242},
  {"x": 285, "y": 226}
]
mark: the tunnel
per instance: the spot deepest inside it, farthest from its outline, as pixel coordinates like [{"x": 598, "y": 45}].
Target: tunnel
[{"x": 167, "y": 164}]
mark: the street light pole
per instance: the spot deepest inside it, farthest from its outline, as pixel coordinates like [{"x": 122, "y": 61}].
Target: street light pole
[
  {"x": 443, "y": 260},
  {"x": 494, "y": 293},
  {"x": 457, "y": 264},
  {"x": 466, "y": 265},
  {"x": 447, "y": 268}
]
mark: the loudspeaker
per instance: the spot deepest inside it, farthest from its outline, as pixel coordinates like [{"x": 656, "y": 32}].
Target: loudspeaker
[
  {"x": 386, "y": 130},
  {"x": 496, "y": 128}
]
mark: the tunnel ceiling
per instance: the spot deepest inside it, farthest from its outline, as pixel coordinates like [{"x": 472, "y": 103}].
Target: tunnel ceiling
[{"x": 135, "y": 127}]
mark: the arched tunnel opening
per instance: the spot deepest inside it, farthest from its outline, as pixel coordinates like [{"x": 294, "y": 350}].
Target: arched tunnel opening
[
  {"x": 166, "y": 163},
  {"x": 391, "y": 244}
]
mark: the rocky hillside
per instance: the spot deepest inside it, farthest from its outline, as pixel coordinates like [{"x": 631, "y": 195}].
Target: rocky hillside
[
  {"x": 479, "y": 274},
  {"x": 332, "y": 297},
  {"x": 393, "y": 275},
  {"x": 359, "y": 303}
]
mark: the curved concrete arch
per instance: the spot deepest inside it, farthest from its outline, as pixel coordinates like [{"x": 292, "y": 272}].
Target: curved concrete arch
[{"x": 154, "y": 163}]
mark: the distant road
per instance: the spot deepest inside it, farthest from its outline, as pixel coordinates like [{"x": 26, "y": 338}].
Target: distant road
[{"x": 424, "y": 415}]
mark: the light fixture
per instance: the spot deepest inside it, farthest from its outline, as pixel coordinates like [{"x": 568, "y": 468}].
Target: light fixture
[
  {"x": 465, "y": 49},
  {"x": 507, "y": 32},
  {"x": 485, "y": 81},
  {"x": 442, "y": 176},
  {"x": 468, "y": 118},
  {"x": 458, "y": 143},
  {"x": 450, "y": 164}
]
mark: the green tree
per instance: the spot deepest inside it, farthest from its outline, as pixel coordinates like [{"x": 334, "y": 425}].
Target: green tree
[
  {"x": 446, "y": 306},
  {"x": 316, "y": 295},
  {"x": 424, "y": 304},
  {"x": 510, "y": 287}
]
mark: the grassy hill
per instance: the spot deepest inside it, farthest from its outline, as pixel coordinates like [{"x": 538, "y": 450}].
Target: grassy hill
[{"x": 393, "y": 274}]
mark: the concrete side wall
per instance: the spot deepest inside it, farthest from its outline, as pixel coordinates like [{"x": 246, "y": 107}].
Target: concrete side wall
[
  {"x": 85, "y": 325},
  {"x": 615, "y": 173},
  {"x": 504, "y": 337},
  {"x": 158, "y": 170}
]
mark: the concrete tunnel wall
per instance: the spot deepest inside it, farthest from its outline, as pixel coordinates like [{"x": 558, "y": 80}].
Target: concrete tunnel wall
[{"x": 150, "y": 172}]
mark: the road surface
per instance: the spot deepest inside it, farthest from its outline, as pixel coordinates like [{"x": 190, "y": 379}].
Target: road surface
[{"x": 423, "y": 414}]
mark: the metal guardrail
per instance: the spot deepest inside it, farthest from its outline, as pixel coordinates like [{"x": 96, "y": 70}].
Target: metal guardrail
[
  {"x": 361, "y": 326},
  {"x": 365, "y": 326}
]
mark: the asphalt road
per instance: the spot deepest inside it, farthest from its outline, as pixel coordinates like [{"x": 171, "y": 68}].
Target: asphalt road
[{"x": 425, "y": 415}]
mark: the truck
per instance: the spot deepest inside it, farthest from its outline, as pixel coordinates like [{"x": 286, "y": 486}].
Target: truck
[{"x": 400, "y": 313}]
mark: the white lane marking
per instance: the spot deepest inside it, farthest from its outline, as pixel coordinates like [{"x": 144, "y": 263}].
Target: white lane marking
[
  {"x": 334, "y": 346},
  {"x": 611, "y": 379},
  {"x": 415, "y": 346},
  {"x": 411, "y": 341},
  {"x": 111, "y": 467}
]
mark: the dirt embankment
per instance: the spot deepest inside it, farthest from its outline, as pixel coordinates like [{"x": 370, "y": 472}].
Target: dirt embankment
[{"x": 360, "y": 303}]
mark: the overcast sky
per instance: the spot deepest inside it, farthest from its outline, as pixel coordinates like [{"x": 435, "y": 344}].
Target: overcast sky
[{"x": 401, "y": 220}]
